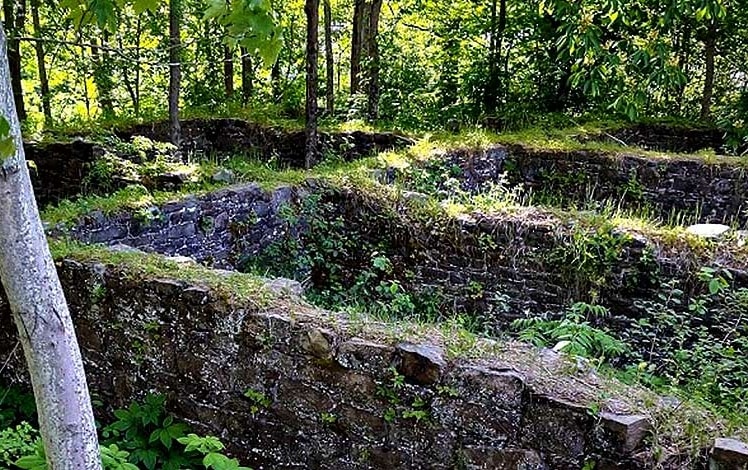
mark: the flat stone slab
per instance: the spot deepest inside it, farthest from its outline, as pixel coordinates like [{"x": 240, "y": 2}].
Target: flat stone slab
[
  {"x": 708, "y": 230},
  {"x": 729, "y": 454}
]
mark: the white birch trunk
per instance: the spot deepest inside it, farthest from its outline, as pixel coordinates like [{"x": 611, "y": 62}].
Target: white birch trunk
[{"x": 39, "y": 309}]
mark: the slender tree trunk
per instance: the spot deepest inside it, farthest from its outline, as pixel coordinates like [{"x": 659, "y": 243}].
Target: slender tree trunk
[
  {"x": 129, "y": 85},
  {"x": 684, "y": 57},
  {"x": 175, "y": 71},
  {"x": 133, "y": 85},
  {"x": 39, "y": 310},
  {"x": 372, "y": 60},
  {"x": 247, "y": 76},
  {"x": 103, "y": 77},
  {"x": 14, "y": 12},
  {"x": 710, "y": 46},
  {"x": 329, "y": 61},
  {"x": 356, "y": 44},
  {"x": 46, "y": 95},
  {"x": 138, "y": 35},
  {"x": 311, "y": 8},
  {"x": 228, "y": 71},
  {"x": 494, "y": 84},
  {"x": 275, "y": 78}
]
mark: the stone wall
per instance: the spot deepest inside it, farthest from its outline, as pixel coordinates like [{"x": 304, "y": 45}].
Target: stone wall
[
  {"x": 216, "y": 229},
  {"x": 59, "y": 169},
  {"x": 496, "y": 268},
  {"x": 666, "y": 138},
  {"x": 703, "y": 192},
  {"x": 330, "y": 397},
  {"x": 287, "y": 148}
]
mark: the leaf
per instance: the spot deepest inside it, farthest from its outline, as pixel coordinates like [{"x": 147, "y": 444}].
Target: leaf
[
  {"x": 141, "y": 6},
  {"x": 7, "y": 144}
]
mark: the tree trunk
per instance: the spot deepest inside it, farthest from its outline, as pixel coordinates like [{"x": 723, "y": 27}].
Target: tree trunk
[
  {"x": 356, "y": 44},
  {"x": 175, "y": 71},
  {"x": 710, "y": 46},
  {"x": 329, "y": 61},
  {"x": 14, "y": 12},
  {"x": 39, "y": 310},
  {"x": 493, "y": 90},
  {"x": 228, "y": 71},
  {"x": 46, "y": 95},
  {"x": 372, "y": 60},
  {"x": 247, "y": 75},
  {"x": 103, "y": 77},
  {"x": 684, "y": 57},
  {"x": 311, "y": 8},
  {"x": 133, "y": 85},
  {"x": 275, "y": 80}
]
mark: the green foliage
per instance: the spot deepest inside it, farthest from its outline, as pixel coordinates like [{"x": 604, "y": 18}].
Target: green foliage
[
  {"x": 588, "y": 257},
  {"x": 259, "y": 401},
  {"x": 16, "y": 442},
  {"x": 250, "y": 24},
  {"x": 574, "y": 333},
  {"x": 16, "y": 406},
  {"x": 144, "y": 430},
  {"x": 695, "y": 342},
  {"x": 345, "y": 267},
  {"x": 7, "y": 142},
  {"x": 395, "y": 393},
  {"x": 151, "y": 439}
]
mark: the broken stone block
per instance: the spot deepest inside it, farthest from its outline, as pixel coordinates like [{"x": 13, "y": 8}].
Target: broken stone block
[
  {"x": 421, "y": 364},
  {"x": 708, "y": 230},
  {"x": 626, "y": 431},
  {"x": 284, "y": 286},
  {"x": 315, "y": 343},
  {"x": 729, "y": 454},
  {"x": 224, "y": 176}
]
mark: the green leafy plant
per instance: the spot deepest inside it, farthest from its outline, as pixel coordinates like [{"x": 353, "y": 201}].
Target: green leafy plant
[
  {"x": 16, "y": 442},
  {"x": 574, "y": 333},
  {"x": 259, "y": 401}
]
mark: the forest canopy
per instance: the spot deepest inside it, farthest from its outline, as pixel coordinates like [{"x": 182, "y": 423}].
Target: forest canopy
[{"x": 413, "y": 64}]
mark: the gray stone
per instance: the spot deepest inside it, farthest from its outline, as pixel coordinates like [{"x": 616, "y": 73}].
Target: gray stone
[
  {"x": 224, "y": 176},
  {"x": 122, "y": 248},
  {"x": 742, "y": 236},
  {"x": 627, "y": 430},
  {"x": 283, "y": 286},
  {"x": 708, "y": 230},
  {"x": 109, "y": 234},
  {"x": 282, "y": 195},
  {"x": 729, "y": 454},
  {"x": 316, "y": 343},
  {"x": 421, "y": 364},
  {"x": 415, "y": 196},
  {"x": 500, "y": 458},
  {"x": 182, "y": 231}
]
